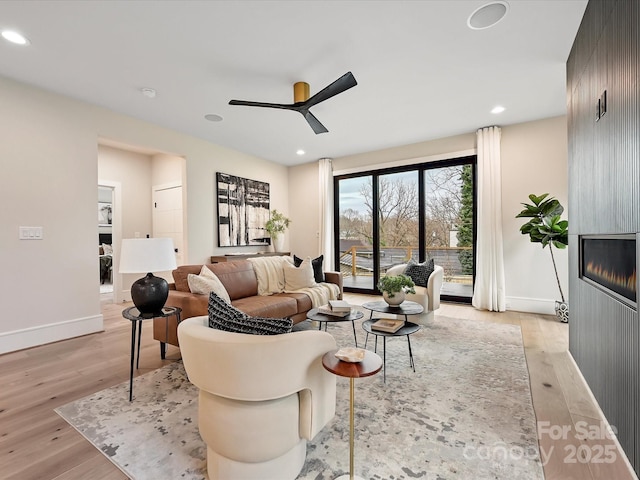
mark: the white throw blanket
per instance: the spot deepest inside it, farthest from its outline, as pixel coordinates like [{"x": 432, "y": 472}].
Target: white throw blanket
[
  {"x": 270, "y": 275},
  {"x": 320, "y": 294}
]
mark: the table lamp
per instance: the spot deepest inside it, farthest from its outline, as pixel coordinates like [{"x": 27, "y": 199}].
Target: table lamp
[{"x": 140, "y": 255}]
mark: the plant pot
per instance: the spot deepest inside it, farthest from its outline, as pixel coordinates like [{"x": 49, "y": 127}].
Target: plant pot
[
  {"x": 562, "y": 311},
  {"x": 394, "y": 301},
  {"x": 278, "y": 243}
]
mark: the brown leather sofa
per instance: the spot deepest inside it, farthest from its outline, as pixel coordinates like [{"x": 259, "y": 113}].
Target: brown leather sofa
[{"x": 240, "y": 281}]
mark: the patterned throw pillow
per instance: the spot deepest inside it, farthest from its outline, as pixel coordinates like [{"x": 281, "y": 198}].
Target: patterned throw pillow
[
  {"x": 316, "y": 263},
  {"x": 223, "y": 316},
  {"x": 419, "y": 272}
]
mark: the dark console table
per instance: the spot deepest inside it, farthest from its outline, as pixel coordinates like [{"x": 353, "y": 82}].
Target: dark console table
[{"x": 244, "y": 256}]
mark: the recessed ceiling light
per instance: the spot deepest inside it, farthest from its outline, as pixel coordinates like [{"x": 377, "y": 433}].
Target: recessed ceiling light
[
  {"x": 14, "y": 37},
  {"x": 497, "y": 109},
  {"x": 300, "y": 152},
  {"x": 148, "y": 92},
  {"x": 487, "y": 15},
  {"x": 212, "y": 117}
]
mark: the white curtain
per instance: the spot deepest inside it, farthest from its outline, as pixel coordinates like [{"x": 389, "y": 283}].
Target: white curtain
[
  {"x": 325, "y": 176},
  {"x": 489, "y": 290}
]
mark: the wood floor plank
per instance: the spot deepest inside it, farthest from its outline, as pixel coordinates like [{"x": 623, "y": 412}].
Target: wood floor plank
[
  {"x": 555, "y": 424},
  {"x": 97, "y": 467}
]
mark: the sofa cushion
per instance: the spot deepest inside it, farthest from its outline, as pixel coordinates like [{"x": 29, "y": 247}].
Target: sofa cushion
[
  {"x": 238, "y": 278},
  {"x": 207, "y": 282},
  {"x": 303, "y": 301},
  {"x": 223, "y": 316},
  {"x": 297, "y": 277},
  {"x": 419, "y": 272},
  {"x": 267, "y": 306},
  {"x": 316, "y": 263}
]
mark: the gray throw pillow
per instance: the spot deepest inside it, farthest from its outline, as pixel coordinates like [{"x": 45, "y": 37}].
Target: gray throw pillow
[
  {"x": 419, "y": 272},
  {"x": 223, "y": 316}
]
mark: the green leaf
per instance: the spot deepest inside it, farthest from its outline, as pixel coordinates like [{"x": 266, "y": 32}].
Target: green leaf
[{"x": 539, "y": 199}]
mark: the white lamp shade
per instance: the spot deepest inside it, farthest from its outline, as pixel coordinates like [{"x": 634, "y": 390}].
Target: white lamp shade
[{"x": 147, "y": 255}]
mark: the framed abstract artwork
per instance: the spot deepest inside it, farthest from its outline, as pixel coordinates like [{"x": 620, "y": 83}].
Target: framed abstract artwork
[{"x": 243, "y": 210}]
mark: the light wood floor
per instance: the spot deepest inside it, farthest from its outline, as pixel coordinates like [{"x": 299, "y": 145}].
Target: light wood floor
[{"x": 37, "y": 444}]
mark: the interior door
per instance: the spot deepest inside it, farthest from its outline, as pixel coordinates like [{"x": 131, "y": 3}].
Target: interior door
[{"x": 167, "y": 217}]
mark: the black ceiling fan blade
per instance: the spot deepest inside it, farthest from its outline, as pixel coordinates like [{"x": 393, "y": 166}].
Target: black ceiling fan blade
[
  {"x": 314, "y": 122},
  {"x": 345, "y": 82},
  {"x": 247, "y": 103}
]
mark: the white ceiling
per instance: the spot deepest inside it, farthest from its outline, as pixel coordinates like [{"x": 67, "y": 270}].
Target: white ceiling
[{"x": 421, "y": 72}]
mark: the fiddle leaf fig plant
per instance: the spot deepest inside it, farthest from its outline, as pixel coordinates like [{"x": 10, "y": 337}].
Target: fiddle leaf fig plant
[
  {"x": 546, "y": 226},
  {"x": 393, "y": 284}
]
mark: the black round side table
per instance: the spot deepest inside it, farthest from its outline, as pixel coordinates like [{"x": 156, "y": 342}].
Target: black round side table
[{"x": 133, "y": 314}]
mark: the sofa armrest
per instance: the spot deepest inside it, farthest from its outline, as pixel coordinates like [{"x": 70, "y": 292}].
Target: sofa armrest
[
  {"x": 396, "y": 269},
  {"x": 192, "y": 305},
  {"x": 335, "y": 278},
  {"x": 434, "y": 284}
]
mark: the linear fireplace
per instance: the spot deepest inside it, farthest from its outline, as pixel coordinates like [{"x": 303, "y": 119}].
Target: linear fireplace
[{"x": 609, "y": 263}]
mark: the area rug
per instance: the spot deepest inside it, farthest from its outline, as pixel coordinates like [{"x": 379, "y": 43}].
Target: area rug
[{"x": 466, "y": 413}]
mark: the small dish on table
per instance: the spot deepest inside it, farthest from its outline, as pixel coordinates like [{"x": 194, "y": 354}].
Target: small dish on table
[{"x": 350, "y": 354}]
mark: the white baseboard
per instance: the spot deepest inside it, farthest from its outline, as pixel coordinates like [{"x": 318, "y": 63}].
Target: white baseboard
[
  {"x": 531, "y": 305},
  {"x": 53, "y": 332}
]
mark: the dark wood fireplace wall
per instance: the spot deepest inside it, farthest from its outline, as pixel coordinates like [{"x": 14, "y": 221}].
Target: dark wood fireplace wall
[{"x": 604, "y": 199}]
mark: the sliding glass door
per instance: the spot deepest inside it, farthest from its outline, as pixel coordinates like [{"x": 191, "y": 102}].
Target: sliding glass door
[
  {"x": 398, "y": 219},
  {"x": 449, "y": 226},
  {"x": 355, "y": 231},
  {"x": 387, "y": 217}
]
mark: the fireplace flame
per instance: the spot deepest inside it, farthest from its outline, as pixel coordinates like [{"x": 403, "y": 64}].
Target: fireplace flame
[{"x": 613, "y": 278}]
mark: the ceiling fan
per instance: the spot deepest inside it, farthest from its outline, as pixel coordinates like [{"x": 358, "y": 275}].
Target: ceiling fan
[{"x": 302, "y": 101}]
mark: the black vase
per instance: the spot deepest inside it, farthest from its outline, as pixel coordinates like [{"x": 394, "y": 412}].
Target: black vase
[{"x": 149, "y": 294}]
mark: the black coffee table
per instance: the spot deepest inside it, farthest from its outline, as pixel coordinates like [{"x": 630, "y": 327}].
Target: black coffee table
[
  {"x": 321, "y": 318},
  {"x": 406, "y": 308}
]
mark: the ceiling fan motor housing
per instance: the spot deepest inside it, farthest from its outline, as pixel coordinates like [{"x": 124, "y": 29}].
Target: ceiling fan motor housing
[{"x": 300, "y": 92}]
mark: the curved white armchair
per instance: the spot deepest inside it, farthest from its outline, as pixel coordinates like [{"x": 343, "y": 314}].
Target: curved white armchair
[
  {"x": 428, "y": 297},
  {"x": 261, "y": 397}
]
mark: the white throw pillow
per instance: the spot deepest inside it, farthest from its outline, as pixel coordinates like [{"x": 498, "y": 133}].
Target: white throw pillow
[
  {"x": 206, "y": 283},
  {"x": 296, "y": 278}
]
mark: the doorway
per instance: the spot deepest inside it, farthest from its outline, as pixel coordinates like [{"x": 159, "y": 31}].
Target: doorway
[{"x": 105, "y": 241}]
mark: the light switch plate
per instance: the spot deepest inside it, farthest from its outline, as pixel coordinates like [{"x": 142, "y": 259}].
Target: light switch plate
[{"x": 30, "y": 233}]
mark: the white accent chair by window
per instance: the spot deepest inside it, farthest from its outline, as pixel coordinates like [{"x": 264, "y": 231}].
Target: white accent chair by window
[
  {"x": 428, "y": 297},
  {"x": 261, "y": 397}
]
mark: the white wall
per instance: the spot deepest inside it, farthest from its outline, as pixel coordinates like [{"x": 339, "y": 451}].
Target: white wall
[
  {"x": 133, "y": 172},
  {"x": 304, "y": 212},
  {"x": 534, "y": 160},
  {"x": 49, "y": 150}
]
